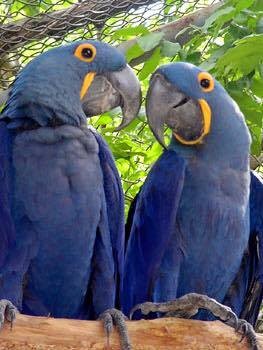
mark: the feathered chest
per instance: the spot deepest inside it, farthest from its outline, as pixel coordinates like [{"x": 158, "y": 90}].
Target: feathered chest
[
  {"x": 214, "y": 207},
  {"x": 56, "y": 206},
  {"x": 57, "y": 187}
]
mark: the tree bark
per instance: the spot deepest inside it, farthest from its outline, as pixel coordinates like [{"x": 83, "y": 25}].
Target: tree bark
[
  {"x": 41, "y": 333},
  {"x": 59, "y": 23},
  {"x": 172, "y": 29}
]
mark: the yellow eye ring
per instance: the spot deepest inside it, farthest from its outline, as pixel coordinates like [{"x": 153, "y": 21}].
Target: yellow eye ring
[
  {"x": 206, "y": 81},
  {"x": 85, "y": 52}
]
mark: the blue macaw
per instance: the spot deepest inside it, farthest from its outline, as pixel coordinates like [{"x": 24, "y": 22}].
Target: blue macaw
[
  {"x": 189, "y": 226},
  {"x": 61, "y": 206}
]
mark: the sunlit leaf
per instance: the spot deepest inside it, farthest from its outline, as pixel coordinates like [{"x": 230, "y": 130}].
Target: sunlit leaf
[
  {"x": 150, "y": 41},
  {"x": 129, "y": 31},
  {"x": 151, "y": 64},
  {"x": 245, "y": 56},
  {"x": 169, "y": 49},
  {"x": 134, "y": 52},
  {"x": 225, "y": 14}
]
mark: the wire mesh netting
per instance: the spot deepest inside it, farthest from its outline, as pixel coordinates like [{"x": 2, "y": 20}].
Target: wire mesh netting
[{"x": 30, "y": 27}]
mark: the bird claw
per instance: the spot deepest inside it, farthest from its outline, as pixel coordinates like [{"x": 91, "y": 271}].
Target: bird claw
[
  {"x": 247, "y": 330},
  {"x": 7, "y": 312},
  {"x": 189, "y": 304},
  {"x": 144, "y": 308},
  {"x": 115, "y": 317}
]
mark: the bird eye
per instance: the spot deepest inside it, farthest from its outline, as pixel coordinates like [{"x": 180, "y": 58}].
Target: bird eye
[
  {"x": 85, "y": 52},
  {"x": 206, "y": 81}
]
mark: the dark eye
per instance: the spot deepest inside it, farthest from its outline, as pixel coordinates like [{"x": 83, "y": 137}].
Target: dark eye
[
  {"x": 87, "y": 53},
  {"x": 205, "y": 83}
]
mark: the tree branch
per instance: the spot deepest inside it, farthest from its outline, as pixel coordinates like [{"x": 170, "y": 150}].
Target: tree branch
[
  {"x": 58, "y": 23},
  {"x": 166, "y": 333},
  {"x": 172, "y": 29}
]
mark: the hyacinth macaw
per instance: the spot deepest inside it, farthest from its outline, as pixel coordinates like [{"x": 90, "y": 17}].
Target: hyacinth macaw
[
  {"x": 189, "y": 226},
  {"x": 61, "y": 205}
]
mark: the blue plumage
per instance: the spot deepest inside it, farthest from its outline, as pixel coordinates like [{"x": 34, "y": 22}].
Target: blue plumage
[
  {"x": 246, "y": 292},
  {"x": 198, "y": 228},
  {"x": 152, "y": 225},
  {"x": 61, "y": 208}
]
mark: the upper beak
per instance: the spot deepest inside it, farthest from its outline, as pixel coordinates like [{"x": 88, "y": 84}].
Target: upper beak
[
  {"x": 161, "y": 97},
  {"x": 107, "y": 91},
  {"x": 188, "y": 118}
]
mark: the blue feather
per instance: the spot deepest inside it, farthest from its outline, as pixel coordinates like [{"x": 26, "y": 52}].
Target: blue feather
[
  {"x": 13, "y": 256},
  {"x": 115, "y": 209},
  {"x": 155, "y": 215},
  {"x": 246, "y": 292}
]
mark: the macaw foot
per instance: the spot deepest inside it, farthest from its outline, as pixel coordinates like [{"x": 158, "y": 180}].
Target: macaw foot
[
  {"x": 115, "y": 317},
  {"x": 189, "y": 305},
  {"x": 7, "y": 312}
]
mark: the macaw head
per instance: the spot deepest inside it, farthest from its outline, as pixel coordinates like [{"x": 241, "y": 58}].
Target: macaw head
[
  {"x": 195, "y": 106},
  {"x": 67, "y": 84}
]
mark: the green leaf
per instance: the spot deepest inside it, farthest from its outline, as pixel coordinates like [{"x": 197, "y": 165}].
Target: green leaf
[
  {"x": 103, "y": 120},
  {"x": 252, "y": 110},
  {"x": 257, "y": 87},
  {"x": 238, "y": 31},
  {"x": 154, "y": 152},
  {"x": 169, "y": 49},
  {"x": 245, "y": 56},
  {"x": 150, "y": 41},
  {"x": 226, "y": 14},
  {"x": 260, "y": 25},
  {"x": 194, "y": 57},
  {"x": 151, "y": 64},
  {"x": 210, "y": 63},
  {"x": 256, "y": 134},
  {"x": 243, "y": 4},
  {"x": 258, "y": 5},
  {"x": 129, "y": 31},
  {"x": 134, "y": 52}
]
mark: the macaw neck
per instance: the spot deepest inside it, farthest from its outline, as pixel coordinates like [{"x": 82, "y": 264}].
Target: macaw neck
[
  {"x": 227, "y": 144},
  {"x": 22, "y": 111},
  {"x": 184, "y": 151},
  {"x": 44, "y": 97}
]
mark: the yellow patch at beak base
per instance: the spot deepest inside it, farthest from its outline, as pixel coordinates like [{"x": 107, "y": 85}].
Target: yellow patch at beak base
[
  {"x": 86, "y": 83},
  {"x": 206, "y": 111}
]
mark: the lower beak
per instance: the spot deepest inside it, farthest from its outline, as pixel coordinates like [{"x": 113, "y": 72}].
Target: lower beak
[{"x": 113, "y": 89}]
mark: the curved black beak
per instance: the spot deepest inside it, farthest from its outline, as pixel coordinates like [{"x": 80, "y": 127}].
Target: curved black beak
[
  {"x": 166, "y": 104},
  {"x": 113, "y": 89}
]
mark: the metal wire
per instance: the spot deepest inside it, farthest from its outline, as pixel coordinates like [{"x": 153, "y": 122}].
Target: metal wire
[{"x": 29, "y": 27}]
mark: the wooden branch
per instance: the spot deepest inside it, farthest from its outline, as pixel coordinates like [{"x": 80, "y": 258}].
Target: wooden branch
[
  {"x": 172, "y": 29},
  {"x": 162, "y": 334},
  {"x": 58, "y": 23}
]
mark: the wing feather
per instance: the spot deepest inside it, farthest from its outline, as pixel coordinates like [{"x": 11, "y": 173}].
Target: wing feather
[
  {"x": 115, "y": 209},
  {"x": 153, "y": 222},
  {"x": 246, "y": 292}
]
